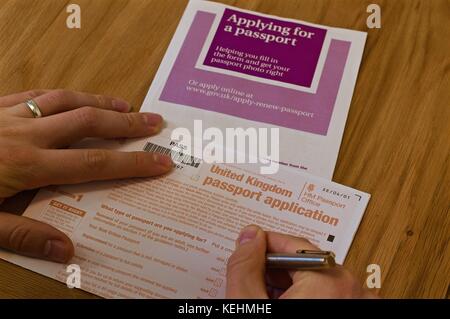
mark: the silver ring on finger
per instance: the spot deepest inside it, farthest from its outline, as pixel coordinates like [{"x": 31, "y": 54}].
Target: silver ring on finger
[{"x": 34, "y": 108}]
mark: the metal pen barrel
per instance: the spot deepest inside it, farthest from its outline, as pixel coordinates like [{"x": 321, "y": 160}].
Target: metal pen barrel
[{"x": 299, "y": 261}]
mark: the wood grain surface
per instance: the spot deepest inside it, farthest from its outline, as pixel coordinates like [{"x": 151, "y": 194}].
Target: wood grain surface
[{"x": 396, "y": 144}]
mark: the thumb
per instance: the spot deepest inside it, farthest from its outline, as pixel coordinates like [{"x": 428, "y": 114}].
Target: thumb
[
  {"x": 32, "y": 238},
  {"x": 246, "y": 266}
]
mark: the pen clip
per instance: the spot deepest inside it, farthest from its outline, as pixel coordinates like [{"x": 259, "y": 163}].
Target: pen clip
[
  {"x": 327, "y": 256},
  {"x": 316, "y": 253}
]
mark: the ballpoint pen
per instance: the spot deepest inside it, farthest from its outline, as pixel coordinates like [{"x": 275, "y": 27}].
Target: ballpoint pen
[{"x": 301, "y": 260}]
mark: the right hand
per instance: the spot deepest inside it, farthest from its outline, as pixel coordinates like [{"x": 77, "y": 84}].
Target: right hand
[
  {"x": 247, "y": 277},
  {"x": 33, "y": 154}
]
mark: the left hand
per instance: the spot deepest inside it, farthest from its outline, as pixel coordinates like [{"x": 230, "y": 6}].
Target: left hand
[{"x": 33, "y": 154}]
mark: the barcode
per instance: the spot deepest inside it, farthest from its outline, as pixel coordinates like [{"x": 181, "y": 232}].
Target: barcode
[{"x": 177, "y": 157}]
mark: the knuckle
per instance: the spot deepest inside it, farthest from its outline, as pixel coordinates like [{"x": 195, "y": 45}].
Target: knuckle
[
  {"x": 140, "y": 159},
  {"x": 35, "y": 93},
  {"x": 10, "y": 184},
  {"x": 95, "y": 159},
  {"x": 58, "y": 96},
  {"x": 87, "y": 118},
  {"x": 19, "y": 169},
  {"x": 20, "y": 156},
  {"x": 17, "y": 238},
  {"x": 130, "y": 120},
  {"x": 25, "y": 163},
  {"x": 101, "y": 100}
]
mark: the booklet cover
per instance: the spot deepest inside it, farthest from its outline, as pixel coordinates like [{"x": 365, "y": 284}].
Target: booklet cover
[{"x": 235, "y": 68}]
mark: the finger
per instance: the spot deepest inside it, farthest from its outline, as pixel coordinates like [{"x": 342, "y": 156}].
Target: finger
[
  {"x": 14, "y": 99},
  {"x": 281, "y": 243},
  {"x": 246, "y": 266},
  {"x": 78, "y": 166},
  {"x": 32, "y": 238},
  {"x": 58, "y": 101},
  {"x": 64, "y": 129},
  {"x": 278, "y": 278}
]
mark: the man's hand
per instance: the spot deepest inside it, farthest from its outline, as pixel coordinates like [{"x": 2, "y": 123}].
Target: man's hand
[
  {"x": 32, "y": 155},
  {"x": 247, "y": 276}
]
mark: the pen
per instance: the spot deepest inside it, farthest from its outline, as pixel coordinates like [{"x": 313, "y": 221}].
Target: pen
[{"x": 301, "y": 260}]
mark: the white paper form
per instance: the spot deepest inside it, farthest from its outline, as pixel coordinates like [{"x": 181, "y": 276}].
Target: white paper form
[{"x": 170, "y": 237}]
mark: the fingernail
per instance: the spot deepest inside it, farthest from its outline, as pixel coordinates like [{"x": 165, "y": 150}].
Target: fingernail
[
  {"x": 247, "y": 234},
  {"x": 56, "y": 250},
  {"x": 163, "y": 160},
  {"x": 121, "y": 105},
  {"x": 152, "y": 119}
]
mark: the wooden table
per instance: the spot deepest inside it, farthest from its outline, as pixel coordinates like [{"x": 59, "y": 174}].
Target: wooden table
[{"x": 396, "y": 145}]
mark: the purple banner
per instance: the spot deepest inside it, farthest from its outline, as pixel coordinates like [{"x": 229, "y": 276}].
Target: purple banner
[
  {"x": 267, "y": 48},
  {"x": 252, "y": 100}
]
